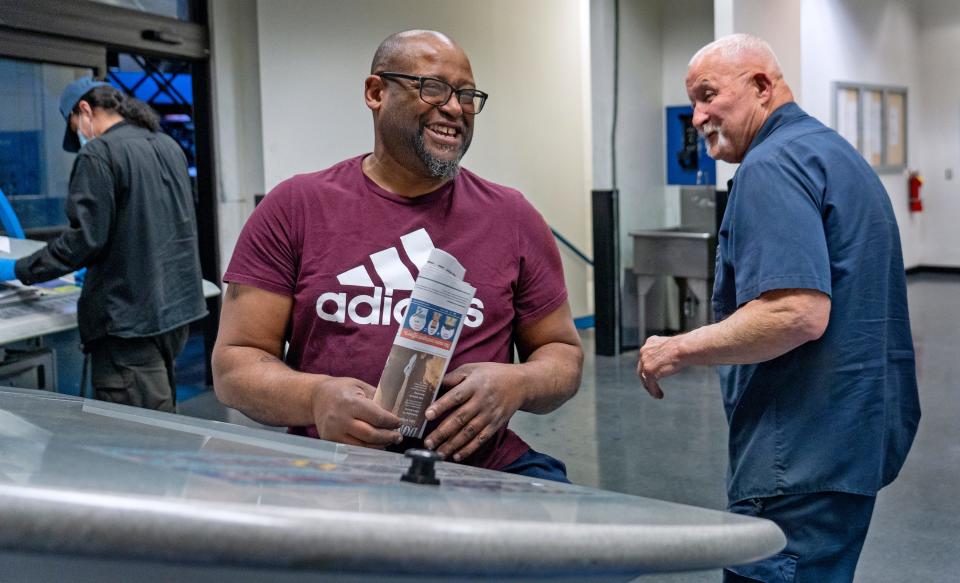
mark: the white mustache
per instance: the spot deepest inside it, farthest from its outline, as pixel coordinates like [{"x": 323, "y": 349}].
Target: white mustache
[{"x": 709, "y": 128}]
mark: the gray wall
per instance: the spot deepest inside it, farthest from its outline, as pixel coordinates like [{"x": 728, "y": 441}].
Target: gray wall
[
  {"x": 937, "y": 139},
  {"x": 237, "y": 116}
]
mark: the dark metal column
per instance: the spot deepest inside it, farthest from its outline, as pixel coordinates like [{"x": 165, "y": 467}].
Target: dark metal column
[
  {"x": 606, "y": 271},
  {"x": 207, "y": 226}
]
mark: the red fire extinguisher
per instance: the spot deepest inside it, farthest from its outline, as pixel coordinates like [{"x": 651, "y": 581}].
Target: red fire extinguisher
[{"x": 915, "y": 182}]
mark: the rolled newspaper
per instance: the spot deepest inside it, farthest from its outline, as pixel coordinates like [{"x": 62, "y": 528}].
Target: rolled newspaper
[{"x": 425, "y": 341}]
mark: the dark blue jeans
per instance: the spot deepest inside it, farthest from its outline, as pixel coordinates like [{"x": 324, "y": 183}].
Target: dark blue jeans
[
  {"x": 534, "y": 464},
  {"x": 825, "y": 533}
]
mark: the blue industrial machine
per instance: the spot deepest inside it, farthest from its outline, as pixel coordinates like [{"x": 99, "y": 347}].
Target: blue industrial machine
[{"x": 8, "y": 217}]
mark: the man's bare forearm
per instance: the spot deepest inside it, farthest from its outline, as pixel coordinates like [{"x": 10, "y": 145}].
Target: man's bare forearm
[
  {"x": 550, "y": 376},
  {"x": 759, "y": 331},
  {"x": 263, "y": 387}
]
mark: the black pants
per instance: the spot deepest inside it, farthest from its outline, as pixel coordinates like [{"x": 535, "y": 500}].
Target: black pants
[{"x": 137, "y": 371}]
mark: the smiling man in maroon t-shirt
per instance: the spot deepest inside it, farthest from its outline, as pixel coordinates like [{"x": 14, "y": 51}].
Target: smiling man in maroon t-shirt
[{"x": 327, "y": 261}]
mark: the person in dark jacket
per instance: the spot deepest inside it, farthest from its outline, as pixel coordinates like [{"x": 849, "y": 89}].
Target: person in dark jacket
[{"x": 132, "y": 224}]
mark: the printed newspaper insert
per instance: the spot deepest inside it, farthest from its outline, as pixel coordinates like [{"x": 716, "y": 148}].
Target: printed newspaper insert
[{"x": 425, "y": 341}]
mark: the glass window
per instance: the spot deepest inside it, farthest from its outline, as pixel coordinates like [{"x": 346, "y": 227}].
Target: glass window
[
  {"x": 166, "y": 85},
  {"x": 179, "y": 9},
  {"x": 34, "y": 169}
]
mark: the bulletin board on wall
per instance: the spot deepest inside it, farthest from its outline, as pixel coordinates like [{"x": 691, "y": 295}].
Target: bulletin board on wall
[{"x": 874, "y": 119}]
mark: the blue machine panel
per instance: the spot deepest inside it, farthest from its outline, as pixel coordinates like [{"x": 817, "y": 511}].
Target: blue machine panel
[
  {"x": 20, "y": 162},
  {"x": 686, "y": 152},
  {"x": 21, "y": 165}
]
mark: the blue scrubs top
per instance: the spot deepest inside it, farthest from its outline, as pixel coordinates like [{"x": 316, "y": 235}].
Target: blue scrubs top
[{"x": 839, "y": 413}]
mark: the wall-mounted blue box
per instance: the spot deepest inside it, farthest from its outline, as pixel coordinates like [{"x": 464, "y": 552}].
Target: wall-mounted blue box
[{"x": 687, "y": 159}]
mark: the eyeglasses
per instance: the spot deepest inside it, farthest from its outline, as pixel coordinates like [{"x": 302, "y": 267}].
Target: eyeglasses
[{"x": 437, "y": 92}]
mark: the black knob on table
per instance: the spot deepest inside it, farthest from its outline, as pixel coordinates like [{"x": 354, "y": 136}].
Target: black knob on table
[{"x": 421, "y": 467}]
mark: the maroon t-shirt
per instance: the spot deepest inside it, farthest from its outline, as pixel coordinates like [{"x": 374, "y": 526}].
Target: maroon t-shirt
[{"x": 348, "y": 252}]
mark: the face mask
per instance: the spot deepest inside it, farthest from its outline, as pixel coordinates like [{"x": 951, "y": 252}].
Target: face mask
[{"x": 83, "y": 139}]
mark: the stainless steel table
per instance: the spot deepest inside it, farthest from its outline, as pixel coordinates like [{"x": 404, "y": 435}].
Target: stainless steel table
[
  {"x": 97, "y": 492},
  {"x": 25, "y": 319},
  {"x": 22, "y": 320}
]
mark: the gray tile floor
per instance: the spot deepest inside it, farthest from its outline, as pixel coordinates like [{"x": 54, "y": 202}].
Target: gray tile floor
[{"x": 612, "y": 435}]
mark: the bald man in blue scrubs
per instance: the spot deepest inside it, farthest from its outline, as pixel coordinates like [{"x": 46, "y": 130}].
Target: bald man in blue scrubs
[{"x": 812, "y": 334}]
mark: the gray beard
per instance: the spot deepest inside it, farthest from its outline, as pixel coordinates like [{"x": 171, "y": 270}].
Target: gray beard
[{"x": 435, "y": 167}]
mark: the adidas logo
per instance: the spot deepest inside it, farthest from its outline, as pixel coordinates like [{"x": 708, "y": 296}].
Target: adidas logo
[{"x": 378, "y": 308}]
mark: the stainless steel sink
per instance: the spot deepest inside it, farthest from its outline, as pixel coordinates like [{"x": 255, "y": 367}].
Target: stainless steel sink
[
  {"x": 685, "y": 255},
  {"x": 674, "y": 252}
]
